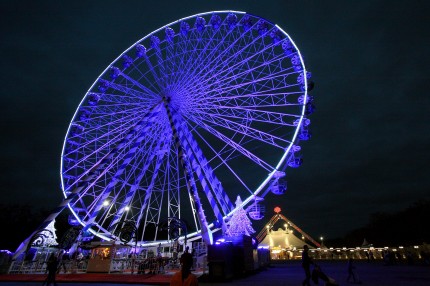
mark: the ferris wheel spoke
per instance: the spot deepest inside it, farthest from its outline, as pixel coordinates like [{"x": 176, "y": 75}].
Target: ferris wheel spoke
[
  {"x": 106, "y": 214},
  {"x": 247, "y": 91},
  {"x": 223, "y": 81},
  {"x": 197, "y": 41},
  {"x": 86, "y": 183},
  {"x": 222, "y": 65},
  {"x": 172, "y": 175},
  {"x": 198, "y": 164},
  {"x": 146, "y": 91},
  {"x": 246, "y": 130},
  {"x": 152, "y": 214},
  {"x": 106, "y": 117},
  {"x": 86, "y": 159},
  {"x": 91, "y": 140},
  {"x": 264, "y": 116},
  {"x": 131, "y": 173},
  {"x": 113, "y": 109},
  {"x": 103, "y": 162},
  {"x": 126, "y": 197},
  {"x": 276, "y": 97},
  {"x": 169, "y": 51},
  {"x": 131, "y": 193},
  {"x": 245, "y": 83},
  {"x": 147, "y": 81},
  {"x": 128, "y": 90},
  {"x": 141, "y": 127},
  {"x": 153, "y": 71},
  {"x": 155, "y": 43},
  {"x": 223, "y": 74},
  {"x": 226, "y": 50},
  {"x": 185, "y": 71},
  {"x": 154, "y": 200},
  {"x": 235, "y": 145},
  {"x": 113, "y": 123},
  {"x": 224, "y": 160},
  {"x": 175, "y": 124},
  {"x": 119, "y": 99},
  {"x": 91, "y": 186},
  {"x": 207, "y": 178},
  {"x": 189, "y": 69},
  {"x": 183, "y": 61},
  {"x": 153, "y": 209},
  {"x": 120, "y": 170}
]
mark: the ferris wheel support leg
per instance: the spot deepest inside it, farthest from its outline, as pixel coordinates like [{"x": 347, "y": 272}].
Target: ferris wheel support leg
[
  {"x": 135, "y": 186},
  {"x": 191, "y": 185},
  {"x": 24, "y": 245},
  {"x": 204, "y": 174},
  {"x": 81, "y": 186},
  {"x": 205, "y": 231}
]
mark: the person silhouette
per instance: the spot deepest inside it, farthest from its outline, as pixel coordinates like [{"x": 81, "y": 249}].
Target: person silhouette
[
  {"x": 61, "y": 261},
  {"x": 351, "y": 273},
  {"x": 184, "y": 277},
  {"x": 51, "y": 267},
  {"x": 306, "y": 264}
]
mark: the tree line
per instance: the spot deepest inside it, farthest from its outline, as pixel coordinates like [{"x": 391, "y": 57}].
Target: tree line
[{"x": 407, "y": 227}]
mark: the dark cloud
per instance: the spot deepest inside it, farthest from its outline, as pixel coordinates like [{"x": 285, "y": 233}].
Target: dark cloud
[{"x": 369, "y": 60}]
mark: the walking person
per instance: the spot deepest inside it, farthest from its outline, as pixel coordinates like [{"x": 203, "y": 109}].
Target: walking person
[
  {"x": 306, "y": 264},
  {"x": 51, "y": 267},
  {"x": 351, "y": 272}
]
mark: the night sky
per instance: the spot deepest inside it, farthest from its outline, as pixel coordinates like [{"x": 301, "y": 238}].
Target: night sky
[{"x": 369, "y": 60}]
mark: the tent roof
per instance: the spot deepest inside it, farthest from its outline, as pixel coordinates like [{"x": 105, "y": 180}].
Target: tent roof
[{"x": 280, "y": 238}]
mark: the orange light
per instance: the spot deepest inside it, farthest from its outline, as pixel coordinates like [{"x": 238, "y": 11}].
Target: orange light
[{"x": 277, "y": 210}]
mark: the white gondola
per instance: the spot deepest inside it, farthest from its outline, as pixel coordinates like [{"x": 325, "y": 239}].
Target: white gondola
[
  {"x": 93, "y": 99},
  {"x": 279, "y": 187},
  {"x": 256, "y": 211},
  {"x": 295, "y": 162},
  {"x": 76, "y": 129}
]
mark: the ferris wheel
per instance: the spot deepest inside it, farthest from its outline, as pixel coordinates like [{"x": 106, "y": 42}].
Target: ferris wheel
[{"x": 192, "y": 115}]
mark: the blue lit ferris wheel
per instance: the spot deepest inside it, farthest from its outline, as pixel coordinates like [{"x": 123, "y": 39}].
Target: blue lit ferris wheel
[{"x": 199, "y": 111}]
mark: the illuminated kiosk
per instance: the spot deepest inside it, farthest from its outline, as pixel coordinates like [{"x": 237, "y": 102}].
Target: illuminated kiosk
[
  {"x": 201, "y": 110},
  {"x": 107, "y": 258},
  {"x": 283, "y": 243}
]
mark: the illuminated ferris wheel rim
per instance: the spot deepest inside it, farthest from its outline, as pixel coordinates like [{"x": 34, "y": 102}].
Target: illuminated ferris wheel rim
[
  {"x": 281, "y": 162},
  {"x": 280, "y": 165}
]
